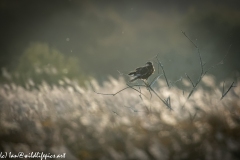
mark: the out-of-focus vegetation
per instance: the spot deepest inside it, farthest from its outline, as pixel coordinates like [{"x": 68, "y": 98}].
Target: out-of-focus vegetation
[
  {"x": 215, "y": 30},
  {"x": 40, "y": 62},
  {"x": 121, "y": 35},
  {"x": 84, "y": 125},
  {"x": 44, "y": 106}
]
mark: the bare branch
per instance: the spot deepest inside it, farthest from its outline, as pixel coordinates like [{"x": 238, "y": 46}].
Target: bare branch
[
  {"x": 189, "y": 79},
  {"x": 155, "y": 79},
  {"x": 224, "y": 94},
  {"x": 113, "y": 94},
  {"x": 160, "y": 64},
  {"x": 174, "y": 82},
  {"x": 150, "y": 93},
  {"x": 192, "y": 117},
  {"x": 140, "y": 92},
  {"x": 116, "y": 113},
  {"x": 223, "y": 88},
  {"x": 164, "y": 101},
  {"x": 220, "y": 62},
  {"x": 169, "y": 102},
  {"x": 136, "y": 90},
  {"x": 203, "y": 73},
  {"x": 191, "y": 92},
  {"x": 131, "y": 108},
  {"x": 120, "y": 73},
  {"x": 180, "y": 79},
  {"x": 199, "y": 54},
  {"x": 189, "y": 39},
  {"x": 150, "y": 88},
  {"x": 201, "y": 63}
]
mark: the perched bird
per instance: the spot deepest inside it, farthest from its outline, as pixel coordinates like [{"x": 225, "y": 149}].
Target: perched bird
[{"x": 142, "y": 72}]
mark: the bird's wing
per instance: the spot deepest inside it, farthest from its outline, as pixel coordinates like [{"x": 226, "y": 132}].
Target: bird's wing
[
  {"x": 143, "y": 70},
  {"x": 139, "y": 68},
  {"x": 132, "y": 73},
  {"x": 136, "y": 71}
]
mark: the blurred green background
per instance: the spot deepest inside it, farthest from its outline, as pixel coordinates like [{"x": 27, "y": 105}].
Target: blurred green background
[{"x": 49, "y": 40}]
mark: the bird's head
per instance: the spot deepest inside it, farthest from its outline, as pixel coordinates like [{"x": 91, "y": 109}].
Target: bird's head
[{"x": 149, "y": 64}]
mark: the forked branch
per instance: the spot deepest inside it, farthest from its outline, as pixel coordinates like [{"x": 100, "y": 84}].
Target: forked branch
[
  {"x": 147, "y": 86},
  {"x": 160, "y": 64},
  {"x": 113, "y": 94},
  {"x": 203, "y": 73}
]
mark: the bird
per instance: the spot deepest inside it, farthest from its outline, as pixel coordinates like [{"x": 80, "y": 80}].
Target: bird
[{"x": 142, "y": 72}]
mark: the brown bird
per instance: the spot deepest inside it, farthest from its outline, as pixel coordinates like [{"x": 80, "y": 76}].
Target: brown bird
[{"x": 142, "y": 72}]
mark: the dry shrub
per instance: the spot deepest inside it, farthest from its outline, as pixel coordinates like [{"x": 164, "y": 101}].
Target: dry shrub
[{"x": 85, "y": 125}]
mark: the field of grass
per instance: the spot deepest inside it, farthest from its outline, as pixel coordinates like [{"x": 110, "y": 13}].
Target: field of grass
[{"x": 74, "y": 120}]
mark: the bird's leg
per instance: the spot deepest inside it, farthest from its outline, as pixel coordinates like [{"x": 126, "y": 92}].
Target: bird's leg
[
  {"x": 146, "y": 82},
  {"x": 147, "y": 87}
]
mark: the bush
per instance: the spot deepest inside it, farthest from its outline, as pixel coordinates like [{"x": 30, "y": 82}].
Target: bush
[{"x": 40, "y": 62}]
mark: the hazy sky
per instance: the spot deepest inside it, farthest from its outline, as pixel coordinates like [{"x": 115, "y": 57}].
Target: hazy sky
[{"x": 122, "y": 35}]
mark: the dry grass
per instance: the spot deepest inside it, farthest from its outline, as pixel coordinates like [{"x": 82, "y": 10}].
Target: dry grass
[{"x": 89, "y": 126}]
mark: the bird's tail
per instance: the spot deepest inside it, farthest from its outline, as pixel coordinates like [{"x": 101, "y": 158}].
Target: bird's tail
[
  {"x": 132, "y": 73},
  {"x": 133, "y": 79}
]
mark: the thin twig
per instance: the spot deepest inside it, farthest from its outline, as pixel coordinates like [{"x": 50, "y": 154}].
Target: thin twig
[
  {"x": 199, "y": 54},
  {"x": 180, "y": 79},
  {"x": 140, "y": 92},
  {"x": 174, "y": 82},
  {"x": 155, "y": 79},
  {"x": 135, "y": 89},
  {"x": 203, "y": 73},
  {"x": 148, "y": 87},
  {"x": 169, "y": 101},
  {"x": 113, "y": 94},
  {"x": 224, "y": 94},
  {"x": 160, "y": 64},
  {"x": 164, "y": 101},
  {"x": 189, "y": 39},
  {"x": 120, "y": 73},
  {"x": 131, "y": 108},
  {"x": 223, "y": 87},
  {"x": 116, "y": 113},
  {"x": 150, "y": 93},
  {"x": 220, "y": 62},
  {"x": 201, "y": 63},
  {"x": 192, "y": 117},
  {"x": 191, "y": 92},
  {"x": 198, "y": 51},
  {"x": 190, "y": 79}
]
